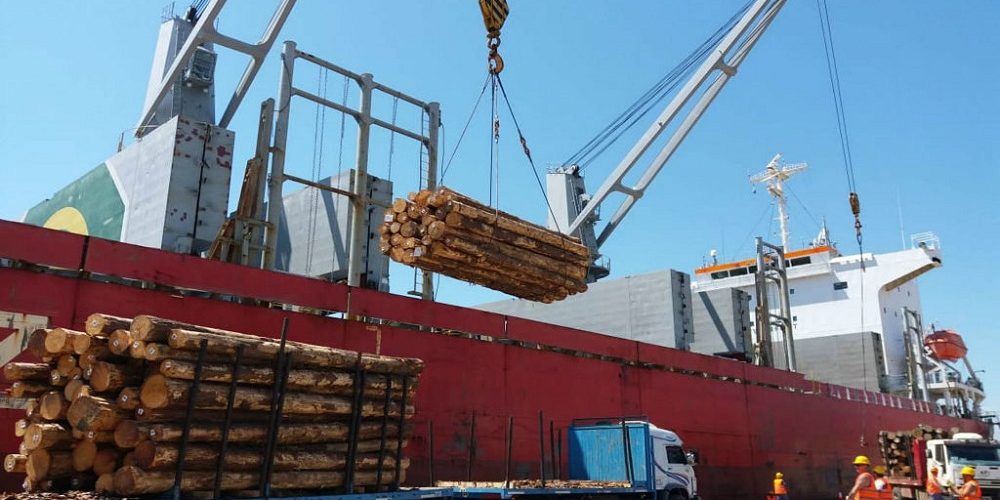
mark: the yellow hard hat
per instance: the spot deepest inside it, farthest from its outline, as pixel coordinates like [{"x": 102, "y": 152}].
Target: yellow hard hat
[
  {"x": 880, "y": 469},
  {"x": 968, "y": 471},
  {"x": 862, "y": 460},
  {"x": 779, "y": 475}
]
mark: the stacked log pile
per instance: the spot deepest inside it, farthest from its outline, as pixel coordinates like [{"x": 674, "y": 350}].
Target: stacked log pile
[
  {"x": 446, "y": 232},
  {"x": 897, "y": 447},
  {"x": 106, "y": 411}
]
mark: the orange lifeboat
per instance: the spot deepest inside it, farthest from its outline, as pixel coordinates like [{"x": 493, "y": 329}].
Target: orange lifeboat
[{"x": 946, "y": 345}]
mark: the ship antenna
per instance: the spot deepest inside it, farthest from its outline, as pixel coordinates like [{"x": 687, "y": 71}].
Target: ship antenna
[{"x": 774, "y": 175}]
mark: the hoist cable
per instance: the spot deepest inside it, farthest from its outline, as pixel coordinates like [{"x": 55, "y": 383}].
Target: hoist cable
[
  {"x": 648, "y": 100},
  {"x": 392, "y": 137},
  {"x": 527, "y": 153},
  {"x": 466, "y": 128}
]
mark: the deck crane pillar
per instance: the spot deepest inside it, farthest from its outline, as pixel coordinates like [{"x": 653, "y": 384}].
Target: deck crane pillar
[{"x": 710, "y": 77}]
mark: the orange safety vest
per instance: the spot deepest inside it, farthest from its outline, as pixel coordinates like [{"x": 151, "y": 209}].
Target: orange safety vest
[
  {"x": 779, "y": 487},
  {"x": 869, "y": 492},
  {"x": 976, "y": 495},
  {"x": 933, "y": 487}
]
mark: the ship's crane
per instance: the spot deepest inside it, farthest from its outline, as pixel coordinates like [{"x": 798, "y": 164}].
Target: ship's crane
[{"x": 577, "y": 213}]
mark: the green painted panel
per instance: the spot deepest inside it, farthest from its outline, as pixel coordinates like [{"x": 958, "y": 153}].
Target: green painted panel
[{"x": 89, "y": 205}]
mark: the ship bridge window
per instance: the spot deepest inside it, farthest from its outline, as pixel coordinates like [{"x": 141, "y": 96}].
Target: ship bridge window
[
  {"x": 840, "y": 285},
  {"x": 739, "y": 271},
  {"x": 800, "y": 261},
  {"x": 718, "y": 275}
]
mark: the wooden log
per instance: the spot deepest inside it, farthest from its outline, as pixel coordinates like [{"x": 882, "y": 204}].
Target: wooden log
[
  {"x": 99, "y": 437},
  {"x": 502, "y": 254},
  {"x": 53, "y": 406},
  {"x": 152, "y": 415},
  {"x": 98, "y": 351},
  {"x": 486, "y": 278},
  {"x": 83, "y": 455},
  {"x": 59, "y": 341},
  {"x": 65, "y": 364},
  {"x": 99, "y": 324},
  {"x": 57, "y": 379},
  {"x": 399, "y": 205},
  {"x": 36, "y": 343},
  {"x": 152, "y": 329},
  {"x": 21, "y": 426},
  {"x": 106, "y": 460},
  {"x": 128, "y": 398},
  {"x": 161, "y": 392},
  {"x": 137, "y": 349},
  {"x": 455, "y": 224},
  {"x": 108, "y": 377},
  {"x": 135, "y": 481},
  {"x": 409, "y": 229},
  {"x": 31, "y": 410},
  {"x": 16, "y": 371},
  {"x": 129, "y": 433},
  {"x": 82, "y": 482},
  {"x": 73, "y": 389},
  {"x": 119, "y": 341},
  {"x": 152, "y": 455},
  {"x": 28, "y": 389},
  {"x": 92, "y": 413},
  {"x": 322, "y": 382},
  {"x": 288, "y": 433},
  {"x": 48, "y": 435},
  {"x": 128, "y": 460},
  {"x": 45, "y": 464},
  {"x": 160, "y": 352},
  {"x": 15, "y": 463},
  {"x": 304, "y": 355},
  {"x": 105, "y": 484},
  {"x": 82, "y": 344},
  {"x": 22, "y": 448}
]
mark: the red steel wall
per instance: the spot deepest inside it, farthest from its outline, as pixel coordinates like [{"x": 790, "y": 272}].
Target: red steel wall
[{"x": 747, "y": 422}]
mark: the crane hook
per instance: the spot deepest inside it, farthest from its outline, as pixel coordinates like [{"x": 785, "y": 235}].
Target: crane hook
[{"x": 495, "y": 61}]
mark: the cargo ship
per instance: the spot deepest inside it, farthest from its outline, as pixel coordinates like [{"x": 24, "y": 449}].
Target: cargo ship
[{"x": 149, "y": 232}]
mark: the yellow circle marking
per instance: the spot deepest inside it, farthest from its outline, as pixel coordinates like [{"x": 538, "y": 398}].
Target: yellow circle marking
[{"x": 67, "y": 219}]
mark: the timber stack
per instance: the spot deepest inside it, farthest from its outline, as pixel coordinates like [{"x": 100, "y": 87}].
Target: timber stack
[
  {"x": 108, "y": 409},
  {"x": 449, "y": 233},
  {"x": 897, "y": 447}
]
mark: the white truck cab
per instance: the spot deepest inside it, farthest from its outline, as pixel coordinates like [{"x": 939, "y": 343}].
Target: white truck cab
[
  {"x": 673, "y": 467},
  {"x": 966, "y": 449}
]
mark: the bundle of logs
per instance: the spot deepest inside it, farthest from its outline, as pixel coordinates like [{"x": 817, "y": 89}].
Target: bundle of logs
[
  {"x": 448, "y": 233},
  {"x": 897, "y": 447},
  {"x": 106, "y": 410}
]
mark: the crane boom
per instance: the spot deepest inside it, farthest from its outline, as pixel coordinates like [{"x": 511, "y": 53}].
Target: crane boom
[{"x": 721, "y": 63}]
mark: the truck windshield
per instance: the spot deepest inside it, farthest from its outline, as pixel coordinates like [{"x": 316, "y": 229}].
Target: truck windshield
[{"x": 974, "y": 454}]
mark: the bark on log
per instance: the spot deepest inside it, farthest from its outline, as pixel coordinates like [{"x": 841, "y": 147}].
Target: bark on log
[
  {"x": 322, "y": 382},
  {"x": 59, "y": 341},
  {"x": 303, "y": 355},
  {"x": 288, "y": 433},
  {"x": 73, "y": 389},
  {"x": 99, "y": 324},
  {"x": 152, "y": 455},
  {"x": 161, "y": 392},
  {"x": 456, "y": 224},
  {"x": 36, "y": 343},
  {"x": 28, "y": 389},
  {"x": 152, "y": 329},
  {"x": 135, "y": 481},
  {"x": 159, "y": 352},
  {"x": 20, "y": 427},
  {"x": 98, "y": 351},
  {"x": 568, "y": 275},
  {"x": 53, "y": 406},
  {"x": 16, "y": 371},
  {"x": 91, "y": 413},
  {"x": 106, "y": 460},
  {"x": 129, "y": 433},
  {"x": 15, "y": 463},
  {"x": 137, "y": 350},
  {"x": 45, "y": 464},
  {"x": 105, "y": 484}
]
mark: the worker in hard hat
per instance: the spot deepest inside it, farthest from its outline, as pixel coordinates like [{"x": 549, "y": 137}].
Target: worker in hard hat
[
  {"x": 864, "y": 484},
  {"x": 970, "y": 488},
  {"x": 881, "y": 482},
  {"x": 934, "y": 489},
  {"x": 780, "y": 488}
]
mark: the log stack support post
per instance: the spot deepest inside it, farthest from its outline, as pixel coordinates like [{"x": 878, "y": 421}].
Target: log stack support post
[
  {"x": 352, "y": 440},
  {"x": 382, "y": 432},
  {"x": 188, "y": 414},
  {"x": 430, "y": 452},
  {"x": 277, "y": 404},
  {"x": 399, "y": 435},
  {"x": 227, "y": 422},
  {"x": 507, "y": 456}
]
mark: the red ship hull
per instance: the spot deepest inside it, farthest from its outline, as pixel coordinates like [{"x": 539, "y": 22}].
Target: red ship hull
[{"x": 746, "y": 422}]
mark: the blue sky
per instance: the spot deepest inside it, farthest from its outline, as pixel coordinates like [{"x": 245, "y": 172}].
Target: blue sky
[{"x": 919, "y": 92}]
